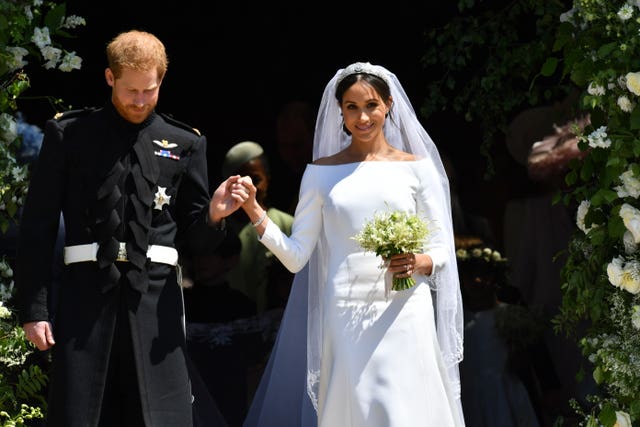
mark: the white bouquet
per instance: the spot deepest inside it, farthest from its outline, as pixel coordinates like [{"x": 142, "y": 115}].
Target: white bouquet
[{"x": 391, "y": 233}]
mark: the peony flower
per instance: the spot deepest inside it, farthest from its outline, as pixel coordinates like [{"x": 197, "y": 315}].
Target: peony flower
[
  {"x": 624, "y": 275},
  {"x": 631, "y": 219},
  {"x": 622, "y": 419},
  {"x": 633, "y": 82},
  {"x": 631, "y": 277}
]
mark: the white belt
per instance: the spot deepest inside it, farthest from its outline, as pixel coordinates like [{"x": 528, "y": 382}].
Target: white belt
[{"x": 89, "y": 252}]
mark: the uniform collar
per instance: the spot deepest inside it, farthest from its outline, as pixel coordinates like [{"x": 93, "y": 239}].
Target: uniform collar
[{"x": 125, "y": 125}]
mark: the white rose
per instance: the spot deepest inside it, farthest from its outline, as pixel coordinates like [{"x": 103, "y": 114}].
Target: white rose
[
  {"x": 614, "y": 272},
  {"x": 625, "y": 104},
  {"x": 631, "y": 219},
  {"x": 631, "y": 277},
  {"x": 4, "y": 312},
  {"x": 633, "y": 82},
  {"x": 583, "y": 209},
  {"x": 622, "y": 419}
]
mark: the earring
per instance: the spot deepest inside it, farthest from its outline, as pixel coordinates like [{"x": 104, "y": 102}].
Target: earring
[{"x": 344, "y": 129}]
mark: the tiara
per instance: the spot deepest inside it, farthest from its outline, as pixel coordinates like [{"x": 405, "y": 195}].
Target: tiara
[{"x": 364, "y": 67}]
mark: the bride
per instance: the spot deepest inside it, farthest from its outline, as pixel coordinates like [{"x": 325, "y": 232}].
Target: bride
[{"x": 368, "y": 356}]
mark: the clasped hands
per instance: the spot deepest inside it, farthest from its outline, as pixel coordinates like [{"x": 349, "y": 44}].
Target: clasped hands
[{"x": 230, "y": 195}]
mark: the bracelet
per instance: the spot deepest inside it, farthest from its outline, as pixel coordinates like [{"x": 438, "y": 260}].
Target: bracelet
[{"x": 260, "y": 220}]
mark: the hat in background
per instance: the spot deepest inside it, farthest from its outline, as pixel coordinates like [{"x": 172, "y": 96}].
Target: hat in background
[{"x": 238, "y": 155}]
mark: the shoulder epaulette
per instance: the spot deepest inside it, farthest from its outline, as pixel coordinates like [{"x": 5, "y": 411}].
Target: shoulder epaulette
[
  {"x": 179, "y": 124},
  {"x": 69, "y": 114}
]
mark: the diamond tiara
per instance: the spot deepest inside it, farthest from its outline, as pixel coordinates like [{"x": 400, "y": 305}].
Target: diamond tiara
[{"x": 364, "y": 67}]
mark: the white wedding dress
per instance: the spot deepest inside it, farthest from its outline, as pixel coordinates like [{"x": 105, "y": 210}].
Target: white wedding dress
[{"x": 380, "y": 359}]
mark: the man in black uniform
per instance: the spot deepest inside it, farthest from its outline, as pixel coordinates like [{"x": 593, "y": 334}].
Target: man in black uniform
[{"x": 132, "y": 185}]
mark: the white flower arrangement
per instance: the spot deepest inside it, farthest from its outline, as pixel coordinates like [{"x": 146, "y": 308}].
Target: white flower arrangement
[
  {"x": 601, "y": 39},
  {"x": 29, "y": 32},
  {"x": 394, "y": 232}
]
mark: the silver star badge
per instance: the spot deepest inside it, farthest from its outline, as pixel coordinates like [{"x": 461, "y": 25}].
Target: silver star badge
[{"x": 161, "y": 198}]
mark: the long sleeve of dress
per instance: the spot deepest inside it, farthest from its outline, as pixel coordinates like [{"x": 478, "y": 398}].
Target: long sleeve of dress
[{"x": 294, "y": 251}]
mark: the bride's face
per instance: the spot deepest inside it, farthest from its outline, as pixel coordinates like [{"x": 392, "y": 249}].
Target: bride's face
[{"x": 363, "y": 111}]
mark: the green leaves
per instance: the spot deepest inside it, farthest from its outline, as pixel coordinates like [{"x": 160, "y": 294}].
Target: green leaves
[{"x": 487, "y": 61}]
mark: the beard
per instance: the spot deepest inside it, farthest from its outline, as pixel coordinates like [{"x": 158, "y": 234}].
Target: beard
[{"x": 131, "y": 112}]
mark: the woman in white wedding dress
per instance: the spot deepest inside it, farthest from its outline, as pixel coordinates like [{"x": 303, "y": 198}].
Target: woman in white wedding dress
[{"x": 374, "y": 356}]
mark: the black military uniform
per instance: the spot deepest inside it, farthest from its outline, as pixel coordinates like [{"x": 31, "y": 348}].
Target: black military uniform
[{"x": 131, "y": 194}]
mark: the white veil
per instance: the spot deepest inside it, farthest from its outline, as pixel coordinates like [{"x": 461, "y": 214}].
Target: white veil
[
  {"x": 404, "y": 131},
  {"x": 281, "y": 399}
]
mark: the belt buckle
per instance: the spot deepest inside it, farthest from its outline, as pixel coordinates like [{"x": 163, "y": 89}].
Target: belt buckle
[{"x": 122, "y": 252}]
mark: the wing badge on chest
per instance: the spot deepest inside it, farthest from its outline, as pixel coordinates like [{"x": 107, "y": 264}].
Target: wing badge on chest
[{"x": 166, "y": 151}]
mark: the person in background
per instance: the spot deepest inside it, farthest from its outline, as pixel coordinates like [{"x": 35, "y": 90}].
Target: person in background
[
  {"x": 493, "y": 393},
  {"x": 374, "y": 355},
  {"x": 208, "y": 298},
  {"x": 210, "y": 304},
  {"x": 251, "y": 274},
  {"x": 537, "y": 232},
  {"x": 132, "y": 185},
  {"x": 294, "y": 141}
]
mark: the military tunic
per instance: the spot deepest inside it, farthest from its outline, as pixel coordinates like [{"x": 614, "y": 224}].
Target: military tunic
[{"x": 114, "y": 181}]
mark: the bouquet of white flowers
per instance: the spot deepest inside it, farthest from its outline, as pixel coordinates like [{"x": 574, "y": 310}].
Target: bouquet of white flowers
[{"x": 391, "y": 233}]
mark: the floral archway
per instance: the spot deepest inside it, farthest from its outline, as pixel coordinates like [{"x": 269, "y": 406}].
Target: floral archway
[{"x": 496, "y": 62}]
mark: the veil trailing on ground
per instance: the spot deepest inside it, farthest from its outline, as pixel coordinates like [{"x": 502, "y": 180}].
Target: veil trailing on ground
[{"x": 403, "y": 131}]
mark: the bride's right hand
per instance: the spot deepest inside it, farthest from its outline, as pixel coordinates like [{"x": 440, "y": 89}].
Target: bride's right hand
[{"x": 249, "y": 188}]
